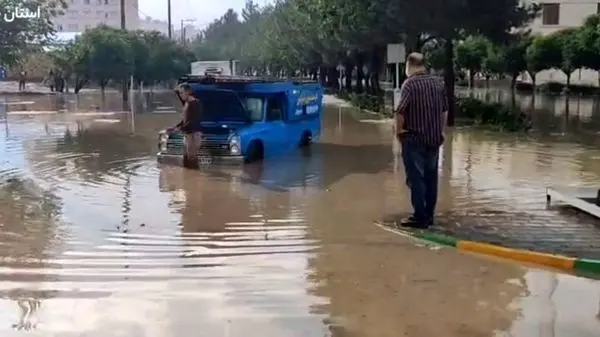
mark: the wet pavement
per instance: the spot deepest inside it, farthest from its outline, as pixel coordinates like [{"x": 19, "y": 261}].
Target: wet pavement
[{"x": 99, "y": 240}]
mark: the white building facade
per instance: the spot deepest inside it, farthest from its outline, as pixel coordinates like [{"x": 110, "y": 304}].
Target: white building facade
[
  {"x": 83, "y": 14},
  {"x": 562, "y": 14},
  {"x": 150, "y": 24}
]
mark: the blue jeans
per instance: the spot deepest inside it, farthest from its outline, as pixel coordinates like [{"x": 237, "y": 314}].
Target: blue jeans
[{"x": 421, "y": 167}]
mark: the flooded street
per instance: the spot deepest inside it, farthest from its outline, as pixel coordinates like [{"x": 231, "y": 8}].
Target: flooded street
[{"x": 97, "y": 239}]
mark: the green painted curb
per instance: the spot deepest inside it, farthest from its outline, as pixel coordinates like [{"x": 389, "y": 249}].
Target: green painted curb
[
  {"x": 587, "y": 265},
  {"x": 437, "y": 238}
]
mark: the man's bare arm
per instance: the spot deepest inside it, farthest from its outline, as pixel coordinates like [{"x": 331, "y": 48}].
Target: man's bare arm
[{"x": 403, "y": 106}]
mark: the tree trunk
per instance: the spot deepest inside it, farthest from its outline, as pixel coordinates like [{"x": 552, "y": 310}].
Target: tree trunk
[
  {"x": 79, "y": 83},
  {"x": 513, "y": 82},
  {"x": 360, "y": 75},
  {"x": 323, "y": 75},
  {"x": 348, "y": 68},
  {"x": 471, "y": 78},
  {"x": 377, "y": 59},
  {"x": 449, "y": 78}
]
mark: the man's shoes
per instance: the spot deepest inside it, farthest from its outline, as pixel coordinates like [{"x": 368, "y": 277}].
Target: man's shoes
[{"x": 411, "y": 222}]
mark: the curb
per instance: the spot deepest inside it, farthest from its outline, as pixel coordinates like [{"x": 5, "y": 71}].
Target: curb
[{"x": 560, "y": 262}]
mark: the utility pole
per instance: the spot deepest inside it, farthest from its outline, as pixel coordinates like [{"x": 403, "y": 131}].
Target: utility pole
[
  {"x": 123, "y": 14},
  {"x": 183, "y": 35},
  {"x": 124, "y": 91},
  {"x": 169, "y": 19}
]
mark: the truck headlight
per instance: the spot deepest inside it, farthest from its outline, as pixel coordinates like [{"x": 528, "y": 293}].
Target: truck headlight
[
  {"x": 234, "y": 145},
  {"x": 163, "y": 137}
]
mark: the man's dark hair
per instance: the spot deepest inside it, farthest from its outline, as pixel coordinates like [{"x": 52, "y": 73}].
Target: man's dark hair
[
  {"x": 415, "y": 60},
  {"x": 185, "y": 87}
]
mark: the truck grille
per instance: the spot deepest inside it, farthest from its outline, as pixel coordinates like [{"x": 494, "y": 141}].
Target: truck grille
[{"x": 213, "y": 145}]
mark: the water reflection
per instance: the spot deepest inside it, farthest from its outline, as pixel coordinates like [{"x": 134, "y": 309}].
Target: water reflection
[
  {"x": 575, "y": 117},
  {"x": 106, "y": 240}
]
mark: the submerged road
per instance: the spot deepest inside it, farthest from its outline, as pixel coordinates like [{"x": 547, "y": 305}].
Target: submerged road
[{"x": 96, "y": 239}]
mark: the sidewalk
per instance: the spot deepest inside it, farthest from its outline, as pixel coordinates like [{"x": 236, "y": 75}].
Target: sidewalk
[
  {"x": 561, "y": 231},
  {"x": 12, "y": 88}
]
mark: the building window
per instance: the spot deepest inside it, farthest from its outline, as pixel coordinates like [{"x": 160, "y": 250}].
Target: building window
[
  {"x": 87, "y": 2},
  {"x": 99, "y": 2},
  {"x": 73, "y": 27},
  {"x": 72, "y": 2},
  {"x": 598, "y": 8},
  {"x": 106, "y": 16},
  {"x": 550, "y": 14},
  {"x": 59, "y": 28},
  {"x": 106, "y": 2}
]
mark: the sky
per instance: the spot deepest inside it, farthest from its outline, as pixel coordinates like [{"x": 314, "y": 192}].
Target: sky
[{"x": 202, "y": 11}]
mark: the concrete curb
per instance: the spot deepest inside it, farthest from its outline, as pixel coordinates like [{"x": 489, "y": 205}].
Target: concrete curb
[{"x": 560, "y": 262}]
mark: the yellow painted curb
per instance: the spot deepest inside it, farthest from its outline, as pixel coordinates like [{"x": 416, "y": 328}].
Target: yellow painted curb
[{"x": 548, "y": 260}]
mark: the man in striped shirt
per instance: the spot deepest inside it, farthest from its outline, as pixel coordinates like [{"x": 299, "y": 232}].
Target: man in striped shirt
[{"x": 420, "y": 118}]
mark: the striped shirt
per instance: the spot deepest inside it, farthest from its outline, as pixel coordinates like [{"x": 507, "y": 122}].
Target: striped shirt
[{"x": 423, "y": 104}]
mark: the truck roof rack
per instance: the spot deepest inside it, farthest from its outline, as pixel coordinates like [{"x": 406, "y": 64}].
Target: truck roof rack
[{"x": 223, "y": 79}]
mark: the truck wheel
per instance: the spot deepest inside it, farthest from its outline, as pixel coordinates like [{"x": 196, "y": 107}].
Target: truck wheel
[
  {"x": 306, "y": 139},
  {"x": 255, "y": 152}
]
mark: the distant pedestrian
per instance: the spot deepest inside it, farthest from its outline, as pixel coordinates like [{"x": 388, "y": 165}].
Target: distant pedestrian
[
  {"x": 190, "y": 125},
  {"x": 50, "y": 80},
  {"x": 22, "y": 80},
  {"x": 420, "y": 118}
]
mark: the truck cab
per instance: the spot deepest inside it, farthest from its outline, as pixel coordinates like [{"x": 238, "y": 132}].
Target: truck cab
[{"x": 249, "y": 119}]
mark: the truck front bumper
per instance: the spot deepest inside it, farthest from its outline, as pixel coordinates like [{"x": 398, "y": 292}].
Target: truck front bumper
[{"x": 165, "y": 158}]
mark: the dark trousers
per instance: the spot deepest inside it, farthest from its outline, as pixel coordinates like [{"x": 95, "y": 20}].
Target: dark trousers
[
  {"x": 21, "y": 84},
  {"x": 421, "y": 167}
]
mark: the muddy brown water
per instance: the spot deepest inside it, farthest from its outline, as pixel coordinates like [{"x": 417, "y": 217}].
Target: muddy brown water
[{"x": 96, "y": 239}]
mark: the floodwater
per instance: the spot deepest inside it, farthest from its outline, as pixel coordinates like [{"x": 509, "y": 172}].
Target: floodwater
[{"x": 96, "y": 239}]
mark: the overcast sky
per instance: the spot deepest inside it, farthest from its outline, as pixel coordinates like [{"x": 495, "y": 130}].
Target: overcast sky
[{"x": 203, "y": 11}]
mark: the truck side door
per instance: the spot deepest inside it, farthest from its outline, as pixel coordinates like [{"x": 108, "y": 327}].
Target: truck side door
[{"x": 278, "y": 137}]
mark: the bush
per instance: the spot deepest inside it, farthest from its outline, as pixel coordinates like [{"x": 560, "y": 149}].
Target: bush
[
  {"x": 364, "y": 101},
  {"x": 493, "y": 114}
]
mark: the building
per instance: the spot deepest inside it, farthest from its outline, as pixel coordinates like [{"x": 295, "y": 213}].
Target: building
[
  {"x": 186, "y": 32},
  {"x": 557, "y": 15},
  {"x": 561, "y": 14},
  {"x": 150, "y": 24},
  {"x": 83, "y": 14}
]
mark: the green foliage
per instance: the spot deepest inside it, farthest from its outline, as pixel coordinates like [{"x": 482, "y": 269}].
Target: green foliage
[
  {"x": 364, "y": 101},
  {"x": 24, "y": 35},
  {"x": 471, "y": 53},
  {"x": 494, "y": 62},
  {"x": 493, "y": 115},
  {"x": 293, "y": 35},
  {"x": 106, "y": 54}
]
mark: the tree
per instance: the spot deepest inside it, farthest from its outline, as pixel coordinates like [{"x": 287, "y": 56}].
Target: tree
[
  {"x": 570, "y": 52},
  {"x": 19, "y": 36},
  {"x": 588, "y": 41},
  {"x": 545, "y": 52},
  {"x": 470, "y": 55},
  {"x": 314, "y": 37},
  {"x": 494, "y": 62},
  {"x": 515, "y": 57},
  {"x": 108, "y": 53},
  {"x": 105, "y": 54}
]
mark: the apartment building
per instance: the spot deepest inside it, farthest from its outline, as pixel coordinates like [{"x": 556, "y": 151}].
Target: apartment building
[
  {"x": 561, "y": 14},
  {"x": 150, "y": 24},
  {"x": 557, "y": 15},
  {"x": 83, "y": 14}
]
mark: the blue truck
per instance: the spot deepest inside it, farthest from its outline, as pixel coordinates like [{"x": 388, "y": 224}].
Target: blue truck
[{"x": 248, "y": 119}]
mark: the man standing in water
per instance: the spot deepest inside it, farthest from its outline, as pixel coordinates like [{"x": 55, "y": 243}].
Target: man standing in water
[
  {"x": 420, "y": 119},
  {"x": 22, "y": 80},
  {"x": 190, "y": 126}
]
